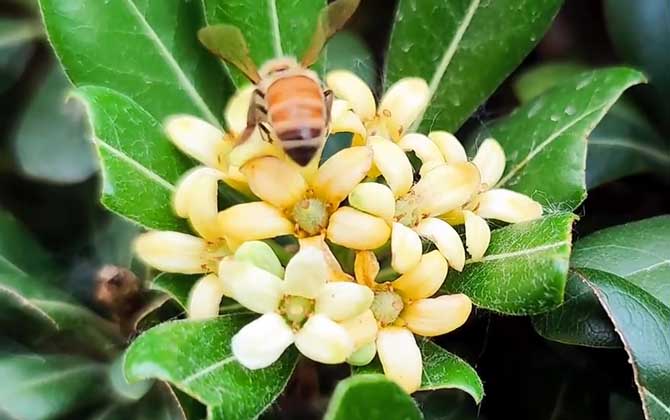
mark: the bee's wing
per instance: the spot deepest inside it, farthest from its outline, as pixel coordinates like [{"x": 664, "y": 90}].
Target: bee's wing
[
  {"x": 332, "y": 18},
  {"x": 228, "y": 43}
]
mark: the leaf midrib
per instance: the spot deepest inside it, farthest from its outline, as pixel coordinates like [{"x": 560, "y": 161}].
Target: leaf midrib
[
  {"x": 654, "y": 153},
  {"x": 521, "y": 253}
]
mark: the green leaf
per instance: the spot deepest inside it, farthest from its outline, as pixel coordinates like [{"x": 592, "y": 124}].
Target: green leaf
[
  {"x": 51, "y": 142},
  {"x": 370, "y": 397},
  {"x": 19, "y": 251},
  {"x": 347, "y": 51},
  {"x": 146, "y": 51},
  {"x": 541, "y": 78},
  {"x": 464, "y": 49},
  {"x": 177, "y": 286},
  {"x": 272, "y": 28},
  {"x": 44, "y": 387},
  {"x": 196, "y": 357},
  {"x": 441, "y": 370},
  {"x": 524, "y": 270},
  {"x": 547, "y": 136},
  {"x": 642, "y": 324},
  {"x": 140, "y": 166}
]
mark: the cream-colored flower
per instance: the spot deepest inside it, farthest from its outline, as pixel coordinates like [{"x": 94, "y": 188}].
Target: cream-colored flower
[
  {"x": 306, "y": 308},
  {"x": 491, "y": 202},
  {"x": 401, "y": 308},
  {"x": 356, "y": 111},
  {"x": 295, "y": 204},
  {"x": 411, "y": 209}
]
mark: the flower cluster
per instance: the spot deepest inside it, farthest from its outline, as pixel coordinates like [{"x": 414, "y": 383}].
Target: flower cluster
[{"x": 368, "y": 199}]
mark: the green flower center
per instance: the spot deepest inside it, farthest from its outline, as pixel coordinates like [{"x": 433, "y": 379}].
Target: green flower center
[
  {"x": 311, "y": 215},
  {"x": 296, "y": 310},
  {"x": 386, "y": 307}
]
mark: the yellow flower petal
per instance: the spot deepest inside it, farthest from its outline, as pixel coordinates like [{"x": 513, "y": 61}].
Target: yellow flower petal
[
  {"x": 423, "y": 147},
  {"x": 203, "y": 206},
  {"x": 275, "y": 181},
  {"x": 373, "y": 198},
  {"x": 447, "y": 187},
  {"x": 237, "y": 109},
  {"x": 366, "y": 268},
  {"x": 508, "y": 206},
  {"x": 393, "y": 164},
  {"x": 181, "y": 198},
  {"x": 251, "y": 221},
  {"x": 323, "y": 340},
  {"x": 256, "y": 146},
  {"x": 446, "y": 239},
  {"x": 333, "y": 267},
  {"x": 262, "y": 341},
  {"x": 490, "y": 159},
  {"x": 306, "y": 274},
  {"x": 400, "y": 357},
  {"x": 406, "y": 248},
  {"x": 363, "y": 355},
  {"x": 403, "y": 103},
  {"x": 205, "y": 298},
  {"x": 362, "y": 329},
  {"x": 346, "y": 85},
  {"x": 437, "y": 316},
  {"x": 343, "y": 300},
  {"x": 344, "y": 120},
  {"x": 261, "y": 255},
  {"x": 173, "y": 252},
  {"x": 198, "y": 139},
  {"x": 452, "y": 149},
  {"x": 255, "y": 289},
  {"x": 424, "y": 279},
  {"x": 454, "y": 217},
  {"x": 357, "y": 230},
  {"x": 477, "y": 235},
  {"x": 340, "y": 174}
]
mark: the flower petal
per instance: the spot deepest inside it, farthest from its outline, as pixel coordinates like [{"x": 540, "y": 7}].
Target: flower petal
[
  {"x": 203, "y": 206},
  {"x": 255, "y": 146},
  {"x": 346, "y": 85},
  {"x": 338, "y": 176},
  {"x": 393, "y": 164},
  {"x": 275, "y": 181},
  {"x": 363, "y": 355},
  {"x": 261, "y": 255},
  {"x": 477, "y": 235},
  {"x": 323, "y": 340},
  {"x": 362, "y": 329},
  {"x": 406, "y": 248},
  {"x": 343, "y": 300},
  {"x": 198, "y": 139},
  {"x": 237, "y": 109},
  {"x": 262, "y": 341},
  {"x": 400, "y": 357},
  {"x": 205, "y": 298},
  {"x": 173, "y": 252},
  {"x": 426, "y": 150},
  {"x": 182, "y": 196},
  {"x": 251, "y": 221},
  {"x": 344, "y": 120},
  {"x": 447, "y": 187},
  {"x": 425, "y": 279},
  {"x": 490, "y": 159},
  {"x": 403, "y": 103},
  {"x": 437, "y": 316},
  {"x": 452, "y": 149},
  {"x": 508, "y": 206},
  {"x": 357, "y": 230},
  {"x": 306, "y": 274},
  {"x": 334, "y": 269},
  {"x": 373, "y": 198},
  {"x": 446, "y": 239},
  {"x": 255, "y": 289},
  {"x": 366, "y": 268}
]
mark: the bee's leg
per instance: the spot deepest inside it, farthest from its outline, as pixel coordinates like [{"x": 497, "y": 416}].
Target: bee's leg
[
  {"x": 328, "y": 96},
  {"x": 255, "y": 114},
  {"x": 265, "y": 132}
]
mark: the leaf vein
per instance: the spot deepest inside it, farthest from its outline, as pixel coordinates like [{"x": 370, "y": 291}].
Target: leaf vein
[
  {"x": 208, "y": 369},
  {"x": 521, "y": 253}
]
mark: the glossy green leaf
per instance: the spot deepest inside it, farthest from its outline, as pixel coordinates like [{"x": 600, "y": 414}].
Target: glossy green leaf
[
  {"x": 45, "y": 387},
  {"x": 272, "y": 28},
  {"x": 642, "y": 323},
  {"x": 441, "y": 370},
  {"x": 177, "y": 286},
  {"x": 524, "y": 270},
  {"x": 159, "y": 404},
  {"x": 539, "y": 79},
  {"x": 18, "y": 249},
  {"x": 196, "y": 357},
  {"x": 147, "y": 51},
  {"x": 52, "y": 139},
  {"x": 348, "y": 51},
  {"x": 464, "y": 49},
  {"x": 371, "y": 397},
  {"x": 548, "y": 136},
  {"x": 140, "y": 166}
]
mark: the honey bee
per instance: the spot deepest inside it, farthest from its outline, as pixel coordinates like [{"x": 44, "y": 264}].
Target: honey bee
[{"x": 289, "y": 99}]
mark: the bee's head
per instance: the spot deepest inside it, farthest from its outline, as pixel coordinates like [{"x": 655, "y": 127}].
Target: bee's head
[{"x": 278, "y": 66}]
